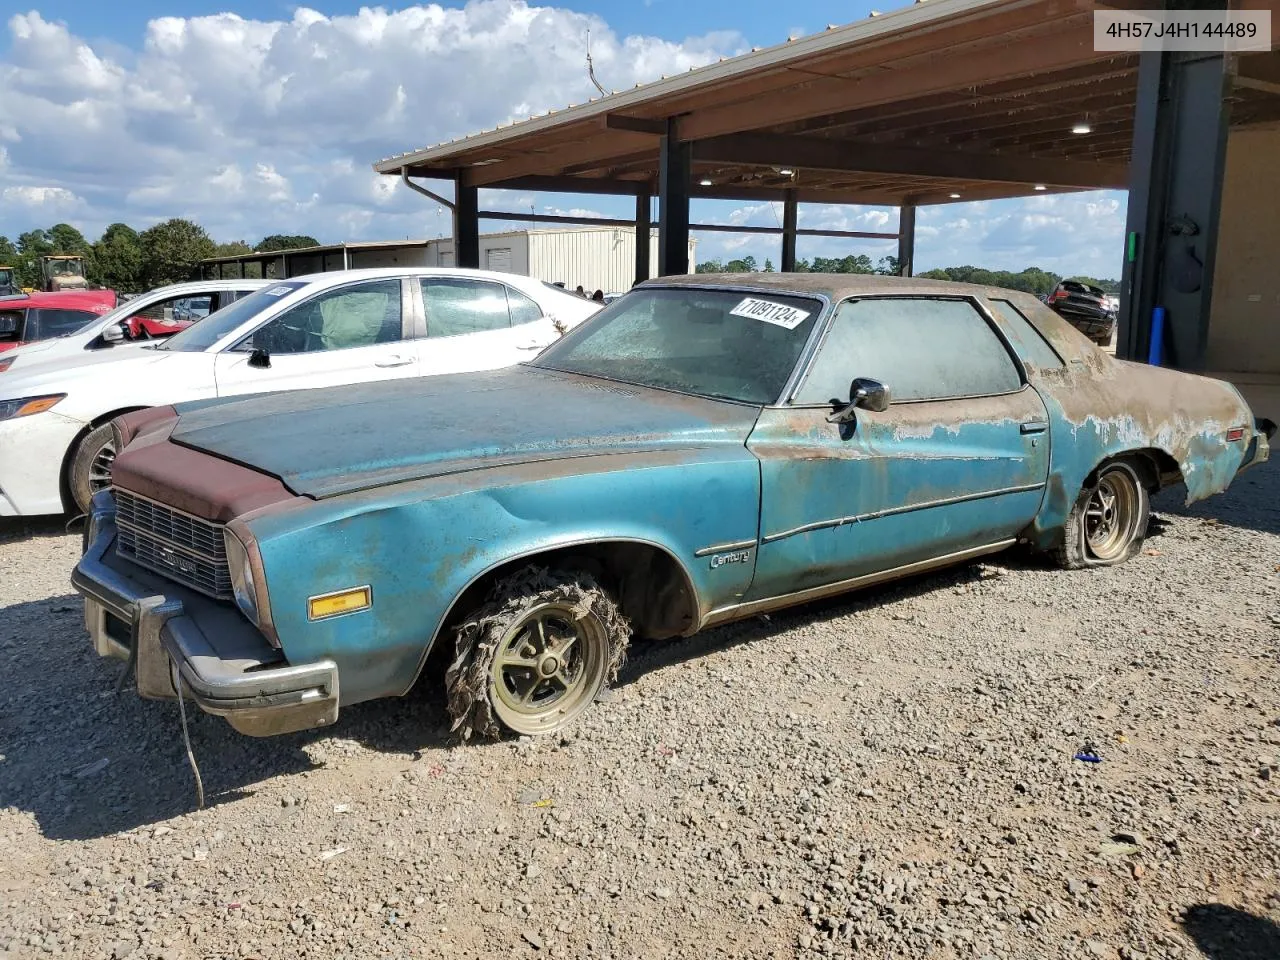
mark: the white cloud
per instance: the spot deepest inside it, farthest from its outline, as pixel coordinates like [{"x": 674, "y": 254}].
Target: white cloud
[
  {"x": 42, "y": 199},
  {"x": 254, "y": 127}
]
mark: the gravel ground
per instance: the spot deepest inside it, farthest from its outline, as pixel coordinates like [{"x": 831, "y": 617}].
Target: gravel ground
[{"x": 889, "y": 774}]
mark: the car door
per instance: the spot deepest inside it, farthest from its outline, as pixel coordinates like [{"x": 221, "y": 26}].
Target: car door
[
  {"x": 469, "y": 325},
  {"x": 354, "y": 333},
  {"x": 956, "y": 464}
]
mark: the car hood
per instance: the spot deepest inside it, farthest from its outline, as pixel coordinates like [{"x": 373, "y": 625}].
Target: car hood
[
  {"x": 59, "y": 372},
  {"x": 330, "y": 441}
]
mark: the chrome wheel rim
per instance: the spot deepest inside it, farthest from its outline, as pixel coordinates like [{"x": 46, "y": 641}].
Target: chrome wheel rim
[
  {"x": 547, "y": 668},
  {"x": 1110, "y": 516},
  {"x": 100, "y": 467}
]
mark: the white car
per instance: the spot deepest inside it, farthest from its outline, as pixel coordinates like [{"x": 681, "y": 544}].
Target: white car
[
  {"x": 348, "y": 326},
  {"x": 163, "y": 310}
]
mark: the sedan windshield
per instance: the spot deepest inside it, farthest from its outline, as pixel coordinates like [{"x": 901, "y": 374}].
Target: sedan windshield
[
  {"x": 203, "y": 335},
  {"x": 724, "y": 344}
]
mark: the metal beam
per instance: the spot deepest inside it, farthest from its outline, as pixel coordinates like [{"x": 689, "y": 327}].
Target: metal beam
[
  {"x": 619, "y": 121},
  {"x": 643, "y": 267},
  {"x": 608, "y": 144},
  {"x": 466, "y": 224},
  {"x": 673, "y": 204},
  {"x": 588, "y": 185},
  {"x": 790, "y": 213},
  {"x": 906, "y": 239},
  {"x": 820, "y": 153},
  {"x": 550, "y": 218}
]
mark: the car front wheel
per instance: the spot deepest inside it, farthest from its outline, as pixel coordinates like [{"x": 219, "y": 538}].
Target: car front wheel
[
  {"x": 535, "y": 656},
  {"x": 1109, "y": 521},
  {"x": 91, "y": 466}
]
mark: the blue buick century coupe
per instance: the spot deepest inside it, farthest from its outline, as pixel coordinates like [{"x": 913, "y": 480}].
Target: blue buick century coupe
[{"x": 706, "y": 448}]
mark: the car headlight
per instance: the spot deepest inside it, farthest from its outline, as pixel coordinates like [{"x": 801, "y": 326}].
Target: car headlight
[
  {"x": 26, "y": 406},
  {"x": 242, "y": 587}
]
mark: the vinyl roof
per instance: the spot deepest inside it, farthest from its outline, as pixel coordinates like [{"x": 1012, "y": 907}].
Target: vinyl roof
[{"x": 971, "y": 97}]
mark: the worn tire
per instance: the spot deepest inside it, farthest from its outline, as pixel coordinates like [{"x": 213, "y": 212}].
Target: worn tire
[
  {"x": 531, "y": 603},
  {"x": 1083, "y": 543},
  {"x": 90, "y": 464}
]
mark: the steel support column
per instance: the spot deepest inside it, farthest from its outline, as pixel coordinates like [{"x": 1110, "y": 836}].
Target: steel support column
[
  {"x": 790, "y": 214},
  {"x": 1179, "y": 156},
  {"x": 466, "y": 224},
  {"x": 906, "y": 239},
  {"x": 643, "y": 228},
  {"x": 673, "y": 204}
]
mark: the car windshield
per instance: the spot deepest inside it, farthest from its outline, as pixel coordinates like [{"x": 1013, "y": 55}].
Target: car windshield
[
  {"x": 203, "y": 335},
  {"x": 725, "y": 344}
]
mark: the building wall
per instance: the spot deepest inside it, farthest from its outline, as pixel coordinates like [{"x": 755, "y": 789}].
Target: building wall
[
  {"x": 415, "y": 256},
  {"x": 1244, "y": 317},
  {"x": 597, "y": 258}
]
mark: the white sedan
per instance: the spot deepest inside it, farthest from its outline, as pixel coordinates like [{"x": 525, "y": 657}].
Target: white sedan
[
  {"x": 349, "y": 326},
  {"x": 164, "y": 310}
]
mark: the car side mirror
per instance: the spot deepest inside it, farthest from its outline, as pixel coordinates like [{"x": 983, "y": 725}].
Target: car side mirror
[
  {"x": 260, "y": 358},
  {"x": 114, "y": 333},
  {"x": 865, "y": 394}
]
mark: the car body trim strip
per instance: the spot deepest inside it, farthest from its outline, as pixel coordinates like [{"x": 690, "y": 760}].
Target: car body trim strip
[
  {"x": 892, "y": 511},
  {"x": 726, "y": 547},
  {"x": 751, "y": 607}
]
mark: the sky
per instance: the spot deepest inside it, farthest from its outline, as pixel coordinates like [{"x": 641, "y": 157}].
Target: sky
[{"x": 265, "y": 118}]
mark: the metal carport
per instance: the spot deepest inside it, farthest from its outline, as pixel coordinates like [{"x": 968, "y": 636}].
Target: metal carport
[{"x": 945, "y": 101}]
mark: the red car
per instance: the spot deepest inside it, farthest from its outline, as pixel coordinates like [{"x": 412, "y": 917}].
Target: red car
[{"x": 25, "y": 318}]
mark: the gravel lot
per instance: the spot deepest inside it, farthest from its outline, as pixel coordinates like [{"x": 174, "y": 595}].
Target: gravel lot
[{"x": 889, "y": 774}]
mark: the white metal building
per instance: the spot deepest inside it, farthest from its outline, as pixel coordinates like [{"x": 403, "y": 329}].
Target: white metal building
[{"x": 595, "y": 258}]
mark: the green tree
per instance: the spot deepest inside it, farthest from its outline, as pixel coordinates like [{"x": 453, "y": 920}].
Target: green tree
[
  {"x": 117, "y": 259},
  {"x": 236, "y": 248},
  {"x": 8, "y": 252},
  {"x": 67, "y": 239},
  {"x": 888, "y": 266},
  {"x": 279, "y": 241},
  {"x": 709, "y": 266},
  {"x": 768, "y": 265},
  {"x": 171, "y": 251}
]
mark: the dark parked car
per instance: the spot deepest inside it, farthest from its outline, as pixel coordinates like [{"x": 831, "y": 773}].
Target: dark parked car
[
  {"x": 704, "y": 449},
  {"x": 1086, "y": 308}
]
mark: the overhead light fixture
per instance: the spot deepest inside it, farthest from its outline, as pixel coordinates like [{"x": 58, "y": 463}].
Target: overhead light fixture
[
  {"x": 705, "y": 181},
  {"x": 1040, "y": 186},
  {"x": 1082, "y": 128},
  {"x": 787, "y": 172},
  {"x": 955, "y": 196}
]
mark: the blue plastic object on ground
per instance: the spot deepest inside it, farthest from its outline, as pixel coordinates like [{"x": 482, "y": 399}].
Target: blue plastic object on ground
[{"x": 1155, "y": 353}]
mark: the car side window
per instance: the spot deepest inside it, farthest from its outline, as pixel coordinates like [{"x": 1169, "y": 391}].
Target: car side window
[
  {"x": 43, "y": 324},
  {"x": 361, "y": 315},
  {"x": 11, "y": 324},
  {"x": 175, "y": 310},
  {"x": 457, "y": 306},
  {"x": 523, "y": 309},
  {"x": 1027, "y": 341},
  {"x": 921, "y": 348}
]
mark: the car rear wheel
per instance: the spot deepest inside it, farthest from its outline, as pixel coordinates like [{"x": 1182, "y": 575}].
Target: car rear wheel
[
  {"x": 1109, "y": 521},
  {"x": 535, "y": 656},
  {"x": 91, "y": 466}
]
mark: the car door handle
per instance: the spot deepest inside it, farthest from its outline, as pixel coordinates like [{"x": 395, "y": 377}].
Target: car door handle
[
  {"x": 1035, "y": 426},
  {"x": 395, "y": 360}
]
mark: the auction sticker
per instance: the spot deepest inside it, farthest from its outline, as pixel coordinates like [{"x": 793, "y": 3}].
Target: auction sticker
[
  {"x": 278, "y": 291},
  {"x": 779, "y": 314}
]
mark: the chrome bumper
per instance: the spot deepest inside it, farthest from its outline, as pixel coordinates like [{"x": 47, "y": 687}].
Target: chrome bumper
[
  {"x": 1260, "y": 446},
  {"x": 177, "y": 636}
]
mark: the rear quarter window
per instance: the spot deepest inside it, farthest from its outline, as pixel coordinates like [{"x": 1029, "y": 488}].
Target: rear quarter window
[{"x": 1029, "y": 343}]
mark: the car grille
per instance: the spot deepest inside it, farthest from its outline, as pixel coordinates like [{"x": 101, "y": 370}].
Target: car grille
[{"x": 173, "y": 544}]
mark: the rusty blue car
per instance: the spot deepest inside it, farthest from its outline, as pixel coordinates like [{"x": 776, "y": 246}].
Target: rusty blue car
[{"x": 705, "y": 449}]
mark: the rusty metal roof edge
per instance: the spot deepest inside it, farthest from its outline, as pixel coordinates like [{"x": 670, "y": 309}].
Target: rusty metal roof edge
[{"x": 919, "y": 14}]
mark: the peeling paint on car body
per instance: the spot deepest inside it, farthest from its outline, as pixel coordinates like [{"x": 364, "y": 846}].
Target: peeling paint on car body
[{"x": 421, "y": 489}]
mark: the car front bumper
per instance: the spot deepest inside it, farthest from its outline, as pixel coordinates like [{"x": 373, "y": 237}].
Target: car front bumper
[
  {"x": 176, "y": 636},
  {"x": 1259, "y": 451},
  {"x": 32, "y": 453}
]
